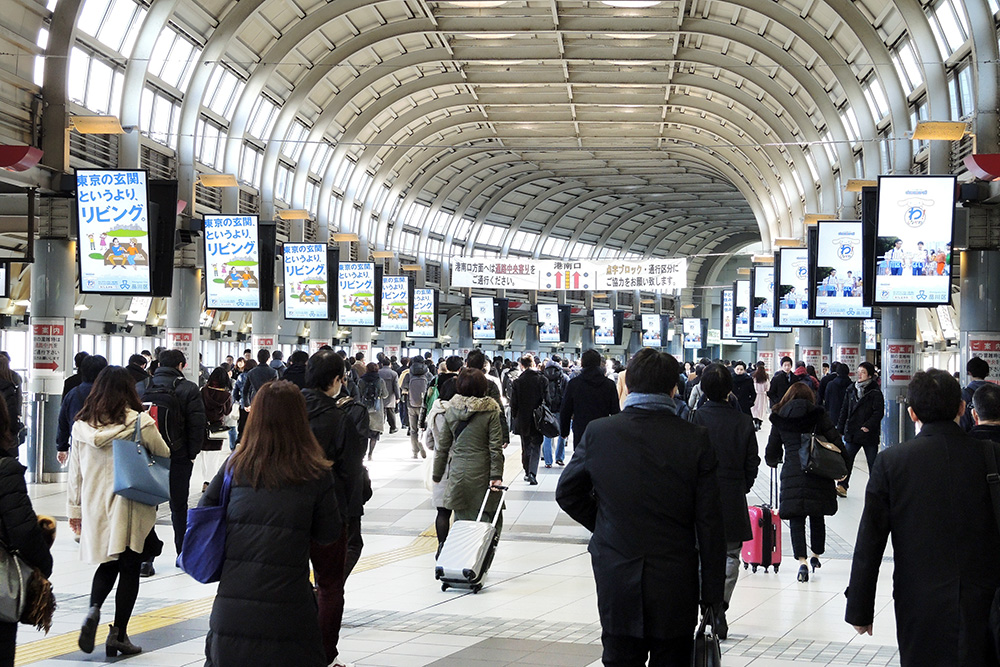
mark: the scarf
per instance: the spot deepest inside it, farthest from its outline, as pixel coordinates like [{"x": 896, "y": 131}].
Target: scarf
[
  {"x": 859, "y": 386},
  {"x": 651, "y": 402}
]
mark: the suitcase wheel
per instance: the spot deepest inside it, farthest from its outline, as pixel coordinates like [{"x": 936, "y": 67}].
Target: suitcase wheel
[
  {"x": 755, "y": 569},
  {"x": 477, "y": 588},
  {"x": 444, "y": 587},
  {"x": 776, "y": 569},
  {"x": 746, "y": 566}
]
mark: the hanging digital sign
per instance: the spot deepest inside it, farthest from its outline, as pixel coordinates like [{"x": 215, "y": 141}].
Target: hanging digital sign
[
  {"x": 232, "y": 262},
  {"x": 114, "y": 252},
  {"x": 307, "y": 281},
  {"x": 395, "y": 313},
  {"x": 762, "y": 311},
  {"x": 741, "y": 308},
  {"x": 837, "y": 289},
  {"x": 138, "y": 309},
  {"x": 424, "y": 313},
  {"x": 792, "y": 288},
  {"x": 484, "y": 320},
  {"x": 652, "y": 330},
  {"x": 604, "y": 326},
  {"x": 356, "y": 294},
  {"x": 914, "y": 231},
  {"x": 548, "y": 323},
  {"x": 692, "y": 333},
  {"x": 727, "y": 314}
]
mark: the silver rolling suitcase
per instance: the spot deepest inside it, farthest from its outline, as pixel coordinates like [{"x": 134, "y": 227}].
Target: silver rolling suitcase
[{"x": 468, "y": 550}]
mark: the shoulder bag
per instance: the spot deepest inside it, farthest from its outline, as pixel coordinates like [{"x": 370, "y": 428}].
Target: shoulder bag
[
  {"x": 546, "y": 422},
  {"x": 14, "y": 577},
  {"x": 706, "y": 651},
  {"x": 139, "y": 475},
  {"x": 993, "y": 481},
  {"x": 204, "y": 550},
  {"x": 821, "y": 458}
]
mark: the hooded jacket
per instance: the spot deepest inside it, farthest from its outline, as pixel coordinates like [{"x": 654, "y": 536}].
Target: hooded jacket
[
  {"x": 836, "y": 391},
  {"x": 341, "y": 445},
  {"x": 469, "y": 451},
  {"x": 296, "y": 374},
  {"x": 589, "y": 396},
  {"x": 110, "y": 523}
]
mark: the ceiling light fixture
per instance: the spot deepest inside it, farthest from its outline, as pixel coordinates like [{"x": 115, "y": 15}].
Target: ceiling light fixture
[
  {"x": 218, "y": 180},
  {"x": 743, "y": 272},
  {"x": 411, "y": 267},
  {"x": 345, "y": 238},
  {"x": 630, "y": 4},
  {"x": 688, "y": 306},
  {"x": 81, "y": 307},
  {"x": 813, "y": 218},
  {"x": 98, "y": 125},
  {"x": 855, "y": 184},
  {"x": 383, "y": 254},
  {"x": 934, "y": 130},
  {"x": 481, "y": 4},
  {"x": 488, "y": 35},
  {"x": 787, "y": 242},
  {"x": 294, "y": 214},
  {"x": 762, "y": 259}
]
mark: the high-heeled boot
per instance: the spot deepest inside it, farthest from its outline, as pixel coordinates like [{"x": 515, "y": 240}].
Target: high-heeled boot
[{"x": 118, "y": 642}]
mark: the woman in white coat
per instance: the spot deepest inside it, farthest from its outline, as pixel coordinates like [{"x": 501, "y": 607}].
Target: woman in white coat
[
  {"x": 761, "y": 409},
  {"x": 116, "y": 533}
]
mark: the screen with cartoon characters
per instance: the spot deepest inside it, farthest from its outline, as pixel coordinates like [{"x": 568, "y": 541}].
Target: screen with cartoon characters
[
  {"x": 356, "y": 294},
  {"x": 652, "y": 330},
  {"x": 232, "y": 262},
  {"x": 762, "y": 301},
  {"x": 692, "y": 333},
  {"x": 424, "y": 314},
  {"x": 915, "y": 225},
  {"x": 604, "y": 326},
  {"x": 484, "y": 322},
  {"x": 792, "y": 288},
  {"x": 727, "y": 316},
  {"x": 548, "y": 323},
  {"x": 307, "y": 284},
  {"x": 837, "y": 289},
  {"x": 395, "y": 310},
  {"x": 113, "y": 231}
]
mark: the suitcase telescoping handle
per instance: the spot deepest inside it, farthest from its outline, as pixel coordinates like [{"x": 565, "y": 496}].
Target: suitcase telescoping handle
[
  {"x": 772, "y": 489},
  {"x": 486, "y": 499}
]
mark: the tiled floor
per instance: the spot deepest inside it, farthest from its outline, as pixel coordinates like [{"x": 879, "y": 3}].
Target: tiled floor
[{"x": 538, "y": 606}]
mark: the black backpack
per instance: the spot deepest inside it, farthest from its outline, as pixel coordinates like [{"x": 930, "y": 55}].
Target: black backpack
[
  {"x": 555, "y": 389},
  {"x": 169, "y": 413},
  {"x": 9, "y": 395},
  {"x": 369, "y": 397}
]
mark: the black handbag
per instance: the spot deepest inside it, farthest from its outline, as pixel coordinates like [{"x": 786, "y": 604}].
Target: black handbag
[
  {"x": 546, "y": 422},
  {"x": 993, "y": 481},
  {"x": 706, "y": 651},
  {"x": 821, "y": 458}
]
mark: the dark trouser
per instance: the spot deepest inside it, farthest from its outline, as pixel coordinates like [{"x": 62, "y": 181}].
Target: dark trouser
[
  {"x": 126, "y": 570},
  {"x": 414, "y": 419},
  {"x": 852, "y": 452},
  {"x": 732, "y": 568},
  {"x": 817, "y": 534},
  {"x": 390, "y": 417},
  {"x": 621, "y": 651},
  {"x": 8, "y": 643},
  {"x": 180, "y": 484},
  {"x": 531, "y": 449},
  {"x": 372, "y": 440},
  {"x": 403, "y": 411},
  {"x": 241, "y": 424},
  {"x": 328, "y": 566},
  {"x": 354, "y": 544}
]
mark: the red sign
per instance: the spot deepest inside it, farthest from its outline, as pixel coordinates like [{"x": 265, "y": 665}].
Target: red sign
[
  {"x": 48, "y": 347},
  {"x": 900, "y": 363},
  {"x": 768, "y": 358},
  {"x": 848, "y": 354},
  {"x": 986, "y": 346}
]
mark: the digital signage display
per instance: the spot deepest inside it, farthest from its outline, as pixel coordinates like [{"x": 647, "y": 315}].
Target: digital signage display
[
  {"x": 356, "y": 294},
  {"x": 762, "y": 301},
  {"x": 837, "y": 289},
  {"x": 728, "y": 316},
  {"x": 484, "y": 321},
  {"x": 792, "y": 288},
  {"x": 396, "y": 311},
  {"x": 138, "y": 309},
  {"x": 307, "y": 281},
  {"x": 692, "y": 333},
  {"x": 232, "y": 262},
  {"x": 741, "y": 308},
  {"x": 652, "y": 330},
  {"x": 548, "y": 323},
  {"x": 914, "y": 230},
  {"x": 604, "y": 326},
  {"x": 424, "y": 313},
  {"x": 114, "y": 252}
]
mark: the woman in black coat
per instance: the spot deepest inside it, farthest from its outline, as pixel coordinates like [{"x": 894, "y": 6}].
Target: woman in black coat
[
  {"x": 282, "y": 499},
  {"x": 861, "y": 420},
  {"x": 802, "y": 495}
]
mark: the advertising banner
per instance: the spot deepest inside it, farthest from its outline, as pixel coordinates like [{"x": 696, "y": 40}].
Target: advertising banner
[
  {"x": 583, "y": 275},
  {"x": 484, "y": 325},
  {"x": 307, "y": 281},
  {"x": 113, "y": 231},
  {"x": 604, "y": 326},
  {"x": 692, "y": 333},
  {"x": 356, "y": 294},
  {"x": 395, "y": 303},
  {"x": 792, "y": 294},
  {"x": 548, "y": 323},
  {"x": 652, "y": 330},
  {"x": 653, "y": 274},
  {"x": 232, "y": 262},
  {"x": 185, "y": 340},
  {"x": 497, "y": 273},
  {"x": 48, "y": 347},
  {"x": 741, "y": 307},
  {"x": 728, "y": 315},
  {"x": 762, "y": 301},
  {"x": 424, "y": 314},
  {"x": 837, "y": 287},
  {"x": 915, "y": 225}
]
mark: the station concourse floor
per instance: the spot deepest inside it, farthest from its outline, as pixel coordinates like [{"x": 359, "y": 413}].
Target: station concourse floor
[{"x": 538, "y": 606}]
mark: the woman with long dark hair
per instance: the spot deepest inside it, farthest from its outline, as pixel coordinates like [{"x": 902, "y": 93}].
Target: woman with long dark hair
[
  {"x": 218, "y": 399},
  {"x": 115, "y": 532},
  {"x": 239, "y": 388},
  {"x": 761, "y": 383},
  {"x": 281, "y": 499}
]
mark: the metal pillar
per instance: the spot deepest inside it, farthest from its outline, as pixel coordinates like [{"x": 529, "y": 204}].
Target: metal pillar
[
  {"x": 811, "y": 348},
  {"x": 899, "y": 326},
  {"x": 320, "y": 334},
  {"x": 587, "y": 336},
  {"x": 53, "y": 284},
  {"x": 847, "y": 339},
  {"x": 827, "y": 346},
  {"x": 184, "y": 318},
  {"x": 979, "y": 321},
  {"x": 265, "y": 330},
  {"x": 784, "y": 346},
  {"x": 465, "y": 340},
  {"x": 361, "y": 341}
]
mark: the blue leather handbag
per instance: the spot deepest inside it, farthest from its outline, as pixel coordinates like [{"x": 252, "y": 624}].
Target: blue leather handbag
[
  {"x": 204, "y": 546},
  {"x": 139, "y": 475}
]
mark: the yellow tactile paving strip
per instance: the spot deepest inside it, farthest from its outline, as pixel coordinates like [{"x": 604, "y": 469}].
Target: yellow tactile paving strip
[{"x": 57, "y": 645}]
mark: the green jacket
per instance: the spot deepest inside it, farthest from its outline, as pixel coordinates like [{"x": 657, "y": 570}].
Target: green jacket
[{"x": 472, "y": 442}]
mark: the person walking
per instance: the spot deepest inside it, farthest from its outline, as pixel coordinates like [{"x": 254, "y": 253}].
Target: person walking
[
  {"x": 732, "y": 436},
  {"x": 589, "y": 396},
  {"x": 931, "y": 490},
  {"x": 761, "y": 408},
  {"x": 391, "y": 379},
  {"x": 836, "y": 390},
  {"x": 781, "y": 381},
  {"x": 978, "y": 370},
  {"x": 296, "y": 371},
  {"x": 282, "y": 500},
  {"x": 218, "y": 399},
  {"x": 241, "y": 394},
  {"x": 115, "y": 533},
  {"x": 802, "y": 495},
  {"x": 986, "y": 413},
  {"x": 477, "y": 360},
  {"x": 554, "y": 392},
  {"x": 653, "y": 561},
  {"x": 526, "y": 394},
  {"x": 861, "y": 421},
  {"x": 743, "y": 389},
  {"x": 90, "y": 368},
  {"x": 374, "y": 392},
  {"x": 415, "y": 383}
]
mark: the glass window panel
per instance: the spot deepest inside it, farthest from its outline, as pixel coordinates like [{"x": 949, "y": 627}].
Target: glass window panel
[
  {"x": 956, "y": 110},
  {"x": 116, "y": 91},
  {"x": 159, "y": 127},
  {"x": 910, "y": 65},
  {"x": 79, "y": 63},
  {"x": 177, "y": 62},
  {"x": 161, "y": 49},
  {"x": 112, "y": 32},
  {"x": 146, "y": 110},
  {"x": 851, "y": 123},
  {"x": 133, "y": 32},
  {"x": 260, "y": 118},
  {"x": 319, "y": 161},
  {"x": 248, "y": 165},
  {"x": 91, "y": 16},
  {"x": 314, "y": 199},
  {"x": 953, "y": 32},
  {"x": 99, "y": 87}
]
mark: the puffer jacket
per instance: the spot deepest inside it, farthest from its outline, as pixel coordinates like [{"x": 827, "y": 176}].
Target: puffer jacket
[
  {"x": 20, "y": 524},
  {"x": 801, "y": 494},
  {"x": 470, "y": 451},
  {"x": 864, "y": 411}
]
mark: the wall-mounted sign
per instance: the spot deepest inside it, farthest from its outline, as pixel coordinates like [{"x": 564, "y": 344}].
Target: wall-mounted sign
[
  {"x": 484, "y": 321},
  {"x": 548, "y": 323},
  {"x": 604, "y": 326},
  {"x": 652, "y": 330},
  {"x": 307, "y": 281},
  {"x": 232, "y": 262},
  {"x": 692, "y": 333},
  {"x": 762, "y": 311},
  {"x": 728, "y": 315},
  {"x": 582, "y": 275}
]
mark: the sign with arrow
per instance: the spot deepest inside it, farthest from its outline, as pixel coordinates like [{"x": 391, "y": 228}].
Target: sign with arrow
[
  {"x": 48, "y": 347},
  {"x": 899, "y": 363}
]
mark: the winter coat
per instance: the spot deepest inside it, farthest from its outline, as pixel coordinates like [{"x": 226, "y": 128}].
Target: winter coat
[
  {"x": 20, "y": 523},
  {"x": 192, "y": 410},
  {"x": 296, "y": 374},
  {"x": 340, "y": 442},
  {"x": 744, "y": 392},
  {"x": 780, "y": 382},
  {"x": 589, "y": 396},
  {"x": 376, "y": 415},
  {"x": 218, "y": 404},
  {"x": 526, "y": 394},
  {"x": 735, "y": 443},
  {"x": 966, "y": 422},
  {"x": 265, "y": 609},
  {"x": 931, "y": 492},
  {"x": 986, "y": 432},
  {"x": 470, "y": 451},
  {"x": 435, "y": 427},
  {"x": 253, "y": 380},
  {"x": 556, "y": 387},
  {"x": 801, "y": 494},
  {"x": 71, "y": 404},
  {"x": 866, "y": 411},
  {"x": 836, "y": 392},
  {"x": 644, "y": 483},
  {"x": 761, "y": 406},
  {"x": 391, "y": 379},
  {"x": 138, "y": 373},
  {"x": 110, "y": 523}
]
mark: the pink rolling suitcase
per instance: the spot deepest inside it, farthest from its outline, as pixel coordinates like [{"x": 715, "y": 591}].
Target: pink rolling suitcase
[{"x": 764, "y": 548}]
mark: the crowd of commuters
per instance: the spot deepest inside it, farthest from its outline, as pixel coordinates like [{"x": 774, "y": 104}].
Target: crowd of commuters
[{"x": 295, "y": 478}]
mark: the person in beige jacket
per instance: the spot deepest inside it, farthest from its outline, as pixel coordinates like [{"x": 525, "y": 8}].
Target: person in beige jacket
[{"x": 115, "y": 532}]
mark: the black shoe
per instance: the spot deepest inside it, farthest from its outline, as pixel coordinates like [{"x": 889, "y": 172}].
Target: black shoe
[
  {"x": 559, "y": 462},
  {"x": 527, "y": 477},
  {"x": 803, "y": 573},
  {"x": 392, "y": 430},
  {"x": 532, "y": 480},
  {"x": 118, "y": 642},
  {"x": 146, "y": 569},
  {"x": 814, "y": 562},
  {"x": 89, "y": 630},
  {"x": 721, "y": 627}
]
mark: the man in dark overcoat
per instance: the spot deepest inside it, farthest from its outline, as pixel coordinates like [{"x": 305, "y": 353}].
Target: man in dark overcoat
[
  {"x": 931, "y": 495},
  {"x": 644, "y": 482}
]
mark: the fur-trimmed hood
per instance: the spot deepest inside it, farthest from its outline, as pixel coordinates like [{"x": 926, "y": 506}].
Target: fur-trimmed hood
[{"x": 462, "y": 408}]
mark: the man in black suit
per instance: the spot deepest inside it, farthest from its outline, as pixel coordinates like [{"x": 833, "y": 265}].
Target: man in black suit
[
  {"x": 986, "y": 412},
  {"x": 526, "y": 394},
  {"x": 644, "y": 482},
  {"x": 781, "y": 381},
  {"x": 931, "y": 494}
]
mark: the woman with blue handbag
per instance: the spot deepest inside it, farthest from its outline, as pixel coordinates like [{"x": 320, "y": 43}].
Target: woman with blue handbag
[{"x": 115, "y": 532}]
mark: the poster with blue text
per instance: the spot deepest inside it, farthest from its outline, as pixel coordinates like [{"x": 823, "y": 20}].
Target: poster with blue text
[
  {"x": 113, "y": 231},
  {"x": 424, "y": 317},
  {"x": 232, "y": 262},
  {"x": 548, "y": 323},
  {"x": 356, "y": 294},
  {"x": 307, "y": 283},
  {"x": 838, "y": 278},
  {"x": 395, "y": 303}
]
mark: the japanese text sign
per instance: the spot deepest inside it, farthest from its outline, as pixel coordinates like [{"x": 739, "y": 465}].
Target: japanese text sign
[
  {"x": 424, "y": 314},
  {"x": 356, "y": 294},
  {"x": 395, "y": 304},
  {"x": 232, "y": 262},
  {"x": 307, "y": 283}
]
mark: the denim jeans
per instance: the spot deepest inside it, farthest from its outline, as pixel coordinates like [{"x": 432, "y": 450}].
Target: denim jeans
[{"x": 547, "y": 450}]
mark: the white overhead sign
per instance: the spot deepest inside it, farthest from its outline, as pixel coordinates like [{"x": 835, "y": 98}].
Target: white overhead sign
[{"x": 531, "y": 274}]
